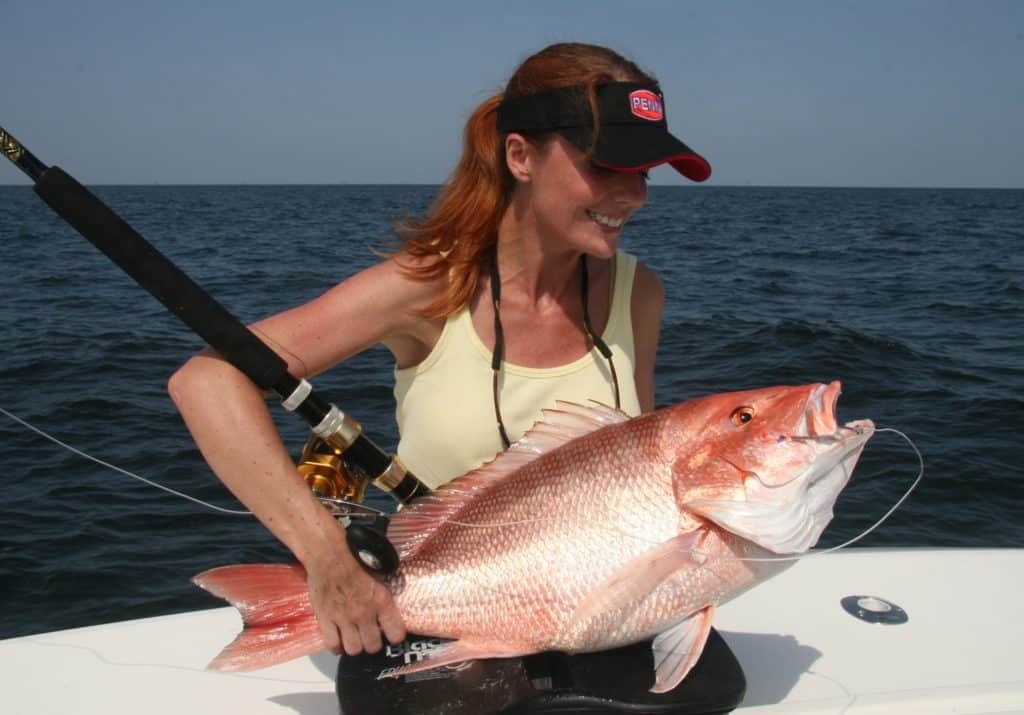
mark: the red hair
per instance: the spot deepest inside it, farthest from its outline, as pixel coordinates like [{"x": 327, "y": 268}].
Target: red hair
[{"x": 461, "y": 228}]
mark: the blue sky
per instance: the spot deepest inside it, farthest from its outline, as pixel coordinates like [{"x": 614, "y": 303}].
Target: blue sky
[{"x": 808, "y": 93}]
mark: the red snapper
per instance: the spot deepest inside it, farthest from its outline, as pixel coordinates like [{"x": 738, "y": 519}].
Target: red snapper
[{"x": 592, "y": 531}]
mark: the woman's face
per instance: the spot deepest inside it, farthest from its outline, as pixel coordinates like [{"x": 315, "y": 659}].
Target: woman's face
[{"x": 577, "y": 202}]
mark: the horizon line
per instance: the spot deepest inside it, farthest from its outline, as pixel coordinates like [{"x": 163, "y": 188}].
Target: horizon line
[{"x": 653, "y": 185}]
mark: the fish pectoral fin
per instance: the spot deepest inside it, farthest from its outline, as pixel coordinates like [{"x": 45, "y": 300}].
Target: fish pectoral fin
[
  {"x": 676, "y": 650},
  {"x": 456, "y": 652},
  {"x": 634, "y": 581}
]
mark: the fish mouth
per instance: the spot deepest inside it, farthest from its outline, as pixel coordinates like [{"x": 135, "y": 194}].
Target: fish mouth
[
  {"x": 792, "y": 521},
  {"x": 818, "y": 430},
  {"x": 789, "y": 517}
]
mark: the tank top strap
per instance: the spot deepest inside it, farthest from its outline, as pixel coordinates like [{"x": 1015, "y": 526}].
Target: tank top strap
[{"x": 620, "y": 320}]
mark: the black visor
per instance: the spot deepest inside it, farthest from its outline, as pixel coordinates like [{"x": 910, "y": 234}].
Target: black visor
[{"x": 633, "y": 133}]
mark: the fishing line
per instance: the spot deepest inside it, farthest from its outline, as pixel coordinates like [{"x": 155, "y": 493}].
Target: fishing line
[
  {"x": 108, "y": 465},
  {"x": 208, "y": 505},
  {"x": 239, "y": 512},
  {"x": 478, "y": 525}
]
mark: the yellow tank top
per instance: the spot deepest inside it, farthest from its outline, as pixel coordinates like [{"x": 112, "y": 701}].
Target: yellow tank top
[{"x": 445, "y": 405}]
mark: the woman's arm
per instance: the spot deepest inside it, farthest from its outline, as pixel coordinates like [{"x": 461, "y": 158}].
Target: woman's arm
[{"x": 230, "y": 422}]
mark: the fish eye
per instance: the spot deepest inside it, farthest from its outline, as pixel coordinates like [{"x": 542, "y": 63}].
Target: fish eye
[{"x": 742, "y": 415}]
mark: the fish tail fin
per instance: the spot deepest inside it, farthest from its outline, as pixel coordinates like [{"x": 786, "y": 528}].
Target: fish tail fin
[{"x": 277, "y": 617}]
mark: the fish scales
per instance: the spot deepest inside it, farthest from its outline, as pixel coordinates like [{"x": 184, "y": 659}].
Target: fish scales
[{"x": 502, "y": 564}]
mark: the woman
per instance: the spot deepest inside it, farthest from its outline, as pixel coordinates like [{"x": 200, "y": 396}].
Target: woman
[{"x": 517, "y": 259}]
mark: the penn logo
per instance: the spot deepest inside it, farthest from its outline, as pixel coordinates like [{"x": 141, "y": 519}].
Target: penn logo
[{"x": 646, "y": 104}]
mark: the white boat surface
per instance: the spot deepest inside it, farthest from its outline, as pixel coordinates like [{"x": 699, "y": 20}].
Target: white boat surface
[{"x": 958, "y": 652}]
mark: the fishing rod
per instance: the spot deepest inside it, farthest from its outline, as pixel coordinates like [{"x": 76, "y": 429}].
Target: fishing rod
[{"x": 339, "y": 460}]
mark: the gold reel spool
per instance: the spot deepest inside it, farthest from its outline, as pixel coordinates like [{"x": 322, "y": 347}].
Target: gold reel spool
[{"x": 321, "y": 466}]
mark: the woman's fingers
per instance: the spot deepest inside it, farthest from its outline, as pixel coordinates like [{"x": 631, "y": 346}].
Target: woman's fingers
[
  {"x": 390, "y": 621},
  {"x": 354, "y": 609}
]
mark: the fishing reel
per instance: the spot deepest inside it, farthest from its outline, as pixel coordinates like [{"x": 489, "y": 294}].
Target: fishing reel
[{"x": 342, "y": 493}]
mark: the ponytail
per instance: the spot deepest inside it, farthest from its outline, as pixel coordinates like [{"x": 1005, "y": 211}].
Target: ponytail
[{"x": 461, "y": 227}]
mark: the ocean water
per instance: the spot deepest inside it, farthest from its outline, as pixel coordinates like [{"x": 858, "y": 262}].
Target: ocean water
[{"x": 914, "y": 299}]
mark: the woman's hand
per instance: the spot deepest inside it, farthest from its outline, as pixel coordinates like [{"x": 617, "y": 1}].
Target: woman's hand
[{"x": 352, "y": 606}]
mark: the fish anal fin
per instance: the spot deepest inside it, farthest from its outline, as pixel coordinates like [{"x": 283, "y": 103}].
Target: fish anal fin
[
  {"x": 677, "y": 650},
  {"x": 633, "y": 582},
  {"x": 457, "y": 652},
  {"x": 416, "y": 524}
]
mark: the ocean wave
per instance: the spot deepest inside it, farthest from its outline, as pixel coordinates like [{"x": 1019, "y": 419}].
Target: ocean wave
[{"x": 900, "y": 230}]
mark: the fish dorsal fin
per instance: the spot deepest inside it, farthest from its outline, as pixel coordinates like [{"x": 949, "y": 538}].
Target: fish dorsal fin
[{"x": 413, "y": 526}]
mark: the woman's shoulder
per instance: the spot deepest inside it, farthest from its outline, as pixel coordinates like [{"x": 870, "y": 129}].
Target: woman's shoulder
[
  {"x": 379, "y": 304},
  {"x": 648, "y": 290},
  {"x": 399, "y": 290}
]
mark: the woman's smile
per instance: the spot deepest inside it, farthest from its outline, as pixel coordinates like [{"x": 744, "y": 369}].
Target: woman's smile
[{"x": 606, "y": 221}]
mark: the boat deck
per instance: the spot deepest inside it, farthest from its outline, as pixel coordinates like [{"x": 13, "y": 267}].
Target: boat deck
[{"x": 958, "y": 652}]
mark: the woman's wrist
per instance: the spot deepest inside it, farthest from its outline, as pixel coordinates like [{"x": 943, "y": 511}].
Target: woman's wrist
[{"x": 324, "y": 544}]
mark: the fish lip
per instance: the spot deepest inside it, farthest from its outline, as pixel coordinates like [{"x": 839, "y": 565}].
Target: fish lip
[
  {"x": 862, "y": 431},
  {"x": 820, "y": 415},
  {"x": 845, "y": 448}
]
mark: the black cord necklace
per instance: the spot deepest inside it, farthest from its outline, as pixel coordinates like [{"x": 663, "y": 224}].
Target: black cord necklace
[{"x": 499, "y": 337}]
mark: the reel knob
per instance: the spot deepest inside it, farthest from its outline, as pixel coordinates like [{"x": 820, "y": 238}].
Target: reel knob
[{"x": 370, "y": 545}]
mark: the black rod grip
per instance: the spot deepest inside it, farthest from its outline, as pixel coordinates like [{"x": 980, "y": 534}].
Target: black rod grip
[
  {"x": 197, "y": 309},
  {"x": 164, "y": 280}
]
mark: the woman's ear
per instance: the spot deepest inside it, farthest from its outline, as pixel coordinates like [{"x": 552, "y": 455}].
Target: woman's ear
[{"x": 518, "y": 153}]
